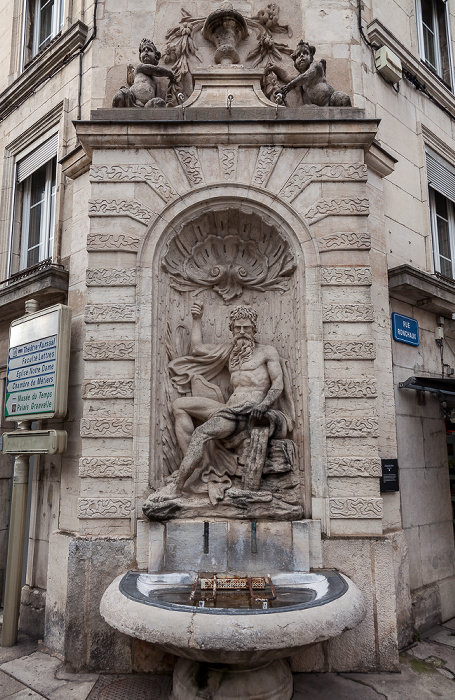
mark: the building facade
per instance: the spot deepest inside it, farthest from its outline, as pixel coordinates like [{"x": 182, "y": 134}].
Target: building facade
[{"x": 348, "y": 211}]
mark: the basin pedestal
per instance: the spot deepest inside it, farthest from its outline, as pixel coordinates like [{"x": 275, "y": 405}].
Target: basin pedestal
[{"x": 193, "y": 681}]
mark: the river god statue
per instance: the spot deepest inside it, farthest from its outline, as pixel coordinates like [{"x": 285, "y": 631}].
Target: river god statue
[{"x": 238, "y": 461}]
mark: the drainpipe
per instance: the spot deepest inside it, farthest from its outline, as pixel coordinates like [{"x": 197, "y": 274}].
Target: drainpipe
[{"x": 16, "y": 538}]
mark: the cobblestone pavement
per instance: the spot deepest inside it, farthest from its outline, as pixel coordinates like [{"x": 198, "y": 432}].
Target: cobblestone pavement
[{"x": 29, "y": 671}]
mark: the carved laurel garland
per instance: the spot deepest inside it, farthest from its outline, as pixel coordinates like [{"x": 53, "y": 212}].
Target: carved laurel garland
[
  {"x": 105, "y": 507},
  {"x": 346, "y": 275},
  {"x": 352, "y": 427},
  {"x": 308, "y": 172},
  {"x": 120, "y": 207},
  {"x": 353, "y": 466},
  {"x": 106, "y": 467},
  {"x": 113, "y": 241},
  {"x": 108, "y": 389},
  {"x": 355, "y": 507},
  {"x": 150, "y": 174},
  {"x": 337, "y": 207},
  {"x": 232, "y": 259},
  {"x": 355, "y": 313},
  {"x": 103, "y": 277},
  {"x": 109, "y": 350},
  {"x": 345, "y": 241},
  {"x": 349, "y": 350},
  {"x": 351, "y": 388},
  {"x": 107, "y": 427},
  {"x": 110, "y": 313}
]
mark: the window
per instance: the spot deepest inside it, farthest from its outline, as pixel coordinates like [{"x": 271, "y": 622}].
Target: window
[
  {"x": 44, "y": 22},
  {"x": 441, "y": 180},
  {"x": 35, "y": 205},
  {"x": 434, "y": 37}
]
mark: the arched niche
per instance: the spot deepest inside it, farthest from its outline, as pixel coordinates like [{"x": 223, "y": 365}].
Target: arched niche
[{"x": 224, "y": 253}]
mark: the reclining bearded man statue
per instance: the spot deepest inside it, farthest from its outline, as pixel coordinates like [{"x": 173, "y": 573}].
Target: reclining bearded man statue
[{"x": 260, "y": 408}]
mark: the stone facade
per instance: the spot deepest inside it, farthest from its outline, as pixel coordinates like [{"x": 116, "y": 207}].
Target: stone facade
[{"x": 342, "y": 191}]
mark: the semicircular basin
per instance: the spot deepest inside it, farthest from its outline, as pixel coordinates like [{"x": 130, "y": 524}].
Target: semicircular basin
[{"x": 232, "y": 636}]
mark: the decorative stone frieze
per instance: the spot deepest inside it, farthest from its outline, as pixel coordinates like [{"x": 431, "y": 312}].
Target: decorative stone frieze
[
  {"x": 308, "y": 172},
  {"x": 267, "y": 158},
  {"x": 345, "y": 241},
  {"x": 337, "y": 207},
  {"x": 109, "y": 350},
  {"x": 228, "y": 162},
  {"x": 113, "y": 241},
  {"x": 106, "y": 467},
  {"x": 189, "y": 160},
  {"x": 110, "y": 313},
  {"x": 351, "y": 388},
  {"x": 349, "y": 350},
  {"x": 355, "y": 507},
  {"x": 105, "y": 507},
  {"x": 346, "y": 276},
  {"x": 354, "y": 313},
  {"x": 106, "y": 427},
  {"x": 353, "y": 466},
  {"x": 108, "y": 389},
  {"x": 352, "y": 427},
  {"x": 120, "y": 207},
  {"x": 102, "y": 277},
  {"x": 150, "y": 174}
]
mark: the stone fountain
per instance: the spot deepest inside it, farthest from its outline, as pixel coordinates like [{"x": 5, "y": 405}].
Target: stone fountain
[{"x": 235, "y": 583}]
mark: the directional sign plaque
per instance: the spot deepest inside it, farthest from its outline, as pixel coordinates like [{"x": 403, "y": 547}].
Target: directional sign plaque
[{"x": 38, "y": 362}]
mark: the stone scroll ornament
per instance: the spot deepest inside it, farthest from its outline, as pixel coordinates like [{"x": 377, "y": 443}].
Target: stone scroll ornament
[
  {"x": 240, "y": 461},
  {"x": 229, "y": 264},
  {"x": 310, "y": 82}
]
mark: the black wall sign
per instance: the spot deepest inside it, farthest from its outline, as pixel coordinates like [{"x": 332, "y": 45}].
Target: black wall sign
[{"x": 389, "y": 478}]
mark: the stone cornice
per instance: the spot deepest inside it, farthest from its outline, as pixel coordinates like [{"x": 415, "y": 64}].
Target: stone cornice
[
  {"x": 317, "y": 127},
  {"x": 422, "y": 289},
  {"x": 41, "y": 66},
  {"x": 379, "y": 34}
]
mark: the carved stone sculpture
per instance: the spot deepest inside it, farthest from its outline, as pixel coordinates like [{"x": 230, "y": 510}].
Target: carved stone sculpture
[
  {"x": 311, "y": 81},
  {"x": 142, "y": 90},
  {"x": 238, "y": 461},
  {"x": 225, "y": 28}
]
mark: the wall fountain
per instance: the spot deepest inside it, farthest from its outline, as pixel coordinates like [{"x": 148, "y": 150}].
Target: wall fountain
[{"x": 235, "y": 582}]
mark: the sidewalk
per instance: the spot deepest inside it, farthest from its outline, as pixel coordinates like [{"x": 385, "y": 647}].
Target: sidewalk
[{"x": 29, "y": 671}]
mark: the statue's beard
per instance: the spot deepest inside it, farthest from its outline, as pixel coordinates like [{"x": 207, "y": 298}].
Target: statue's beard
[{"x": 242, "y": 350}]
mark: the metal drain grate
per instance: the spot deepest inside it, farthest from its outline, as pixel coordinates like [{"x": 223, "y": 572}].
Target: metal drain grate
[{"x": 138, "y": 688}]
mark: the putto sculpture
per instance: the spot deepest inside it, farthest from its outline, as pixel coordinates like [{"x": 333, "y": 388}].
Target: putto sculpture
[
  {"x": 238, "y": 459},
  {"x": 143, "y": 87},
  {"x": 311, "y": 81}
]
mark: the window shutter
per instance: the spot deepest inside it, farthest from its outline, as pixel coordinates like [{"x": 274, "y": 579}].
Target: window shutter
[
  {"x": 37, "y": 158},
  {"x": 441, "y": 177}
]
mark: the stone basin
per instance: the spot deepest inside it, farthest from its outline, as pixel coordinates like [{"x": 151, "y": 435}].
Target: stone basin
[{"x": 143, "y": 606}]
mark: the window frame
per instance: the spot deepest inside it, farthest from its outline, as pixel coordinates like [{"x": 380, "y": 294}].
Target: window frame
[
  {"x": 31, "y": 27},
  {"x": 435, "y": 231},
  {"x": 437, "y": 69},
  {"x": 47, "y": 216}
]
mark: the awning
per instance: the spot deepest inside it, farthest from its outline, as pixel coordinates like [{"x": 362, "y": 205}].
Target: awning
[{"x": 442, "y": 386}]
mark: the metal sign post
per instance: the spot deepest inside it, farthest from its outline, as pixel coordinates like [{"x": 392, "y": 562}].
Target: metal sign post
[{"x": 36, "y": 387}]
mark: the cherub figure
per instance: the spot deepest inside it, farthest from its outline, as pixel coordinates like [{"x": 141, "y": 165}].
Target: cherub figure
[
  {"x": 312, "y": 81},
  {"x": 142, "y": 90}
]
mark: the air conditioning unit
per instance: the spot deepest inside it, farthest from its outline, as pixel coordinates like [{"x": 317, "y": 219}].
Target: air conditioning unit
[{"x": 388, "y": 64}]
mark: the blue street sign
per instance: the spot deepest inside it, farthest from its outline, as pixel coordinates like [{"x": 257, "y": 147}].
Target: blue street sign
[{"x": 405, "y": 329}]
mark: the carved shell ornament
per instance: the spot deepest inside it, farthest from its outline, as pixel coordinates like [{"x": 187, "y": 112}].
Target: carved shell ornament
[{"x": 229, "y": 263}]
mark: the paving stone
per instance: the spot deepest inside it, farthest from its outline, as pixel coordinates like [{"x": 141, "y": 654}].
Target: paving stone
[
  {"x": 450, "y": 624},
  {"x": 330, "y": 686},
  {"x": 37, "y": 671},
  {"x": 26, "y": 694},
  {"x": 446, "y": 637},
  {"x": 428, "y": 650},
  {"x": 8, "y": 685}
]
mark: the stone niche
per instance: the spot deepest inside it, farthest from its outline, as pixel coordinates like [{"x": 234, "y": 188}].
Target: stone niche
[{"x": 222, "y": 256}]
